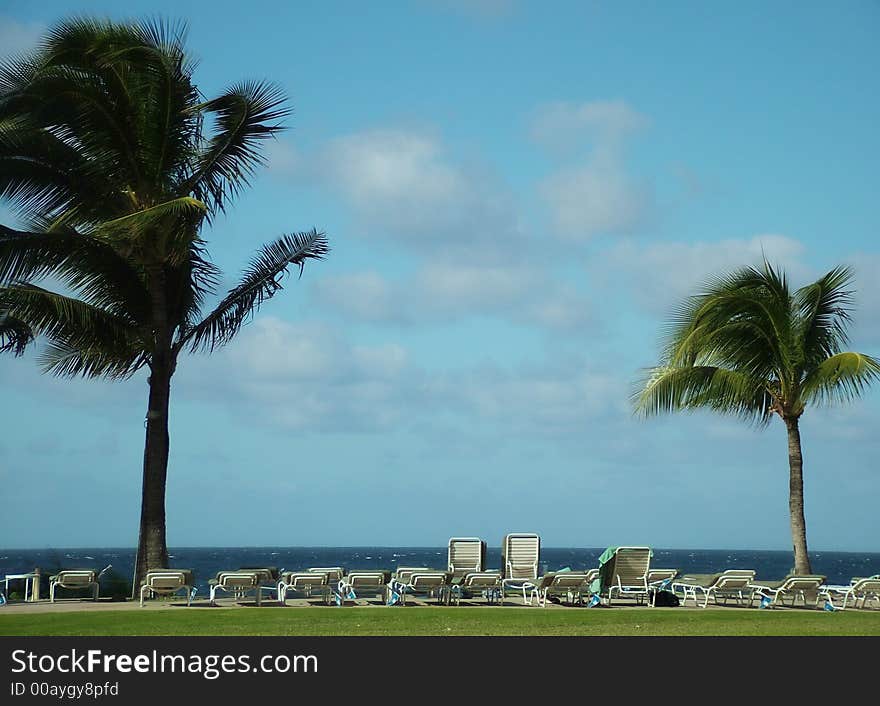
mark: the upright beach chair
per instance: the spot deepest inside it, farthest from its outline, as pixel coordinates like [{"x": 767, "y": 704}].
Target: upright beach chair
[
  {"x": 77, "y": 579},
  {"x": 520, "y": 553},
  {"x": 466, "y": 555},
  {"x": 733, "y": 583},
  {"x": 167, "y": 582},
  {"x": 625, "y": 573},
  {"x": 793, "y": 586}
]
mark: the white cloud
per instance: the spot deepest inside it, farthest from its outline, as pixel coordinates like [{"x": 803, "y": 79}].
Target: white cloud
[
  {"x": 17, "y": 37},
  {"x": 600, "y": 125},
  {"x": 592, "y": 194},
  {"x": 309, "y": 377},
  {"x": 595, "y": 199},
  {"x": 405, "y": 185},
  {"x": 440, "y": 292}
]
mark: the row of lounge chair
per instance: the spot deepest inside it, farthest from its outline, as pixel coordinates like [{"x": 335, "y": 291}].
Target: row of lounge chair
[{"x": 623, "y": 572}]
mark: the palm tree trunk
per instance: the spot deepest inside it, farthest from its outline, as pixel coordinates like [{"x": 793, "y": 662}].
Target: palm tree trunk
[
  {"x": 796, "y": 497},
  {"x": 152, "y": 550}
]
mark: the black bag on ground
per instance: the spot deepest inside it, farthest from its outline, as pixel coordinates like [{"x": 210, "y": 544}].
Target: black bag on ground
[{"x": 666, "y": 599}]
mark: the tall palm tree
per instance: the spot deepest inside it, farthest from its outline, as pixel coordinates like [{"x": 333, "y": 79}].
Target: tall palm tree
[
  {"x": 750, "y": 347},
  {"x": 115, "y": 163}
]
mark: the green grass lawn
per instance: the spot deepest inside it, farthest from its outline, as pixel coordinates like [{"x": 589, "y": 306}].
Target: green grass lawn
[{"x": 442, "y": 621}]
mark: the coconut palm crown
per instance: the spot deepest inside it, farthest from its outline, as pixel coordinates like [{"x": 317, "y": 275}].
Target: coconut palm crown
[
  {"x": 114, "y": 162},
  {"x": 749, "y": 346}
]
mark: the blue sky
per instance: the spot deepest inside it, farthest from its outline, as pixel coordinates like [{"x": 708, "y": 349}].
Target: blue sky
[{"x": 515, "y": 197}]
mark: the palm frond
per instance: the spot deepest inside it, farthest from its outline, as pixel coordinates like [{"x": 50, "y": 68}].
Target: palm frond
[
  {"x": 261, "y": 281},
  {"x": 823, "y": 310},
  {"x": 90, "y": 267},
  {"x": 245, "y": 116},
  {"x": 15, "y": 335},
  {"x": 840, "y": 377},
  {"x": 66, "y": 319},
  {"x": 669, "y": 389}
]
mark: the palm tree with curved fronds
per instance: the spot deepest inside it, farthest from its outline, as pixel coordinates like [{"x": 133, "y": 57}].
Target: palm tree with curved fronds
[
  {"x": 115, "y": 163},
  {"x": 749, "y": 346}
]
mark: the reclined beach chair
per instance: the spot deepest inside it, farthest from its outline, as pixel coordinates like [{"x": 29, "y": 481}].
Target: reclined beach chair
[
  {"x": 363, "y": 581},
  {"x": 334, "y": 573},
  {"x": 77, "y": 579},
  {"x": 485, "y": 583},
  {"x": 168, "y": 582},
  {"x": 403, "y": 573},
  {"x": 466, "y": 555},
  {"x": 520, "y": 553},
  {"x": 241, "y": 582},
  {"x": 420, "y": 582},
  {"x": 733, "y": 583},
  {"x": 624, "y": 571},
  {"x": 858, "y": 589},
  {"x": 570, "y": 585},
  {"x": 305, "y": 583},
  {"x": 793, "y": 586},
  {"x": 660, "y": 580}
]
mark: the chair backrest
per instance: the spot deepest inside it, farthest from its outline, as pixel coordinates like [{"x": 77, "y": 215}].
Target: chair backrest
[
  {"x": 364, "y": 579},
  {"x": 657, "y": 575},
  {"x": 403, "y": 573},
  {"x": 735, "y": 579},
  {"x": 520, "y": 553},
  {"x": 803, "y": 583},
  {"x": 425, "y": 580},
  {"x": 630, "y": 566},
  {"x": 570, "y": 579},
  {"x": 483, "y": 579},
  {"x": 76, "y": 577},
  {"x": 334, "y": 573},
  {"x": 239, "y": 579},
  {"x": 302, "y": 579},
  {"x": 868, "y": 585},
  {"x": 266, "y": 574},
  {"x": 466, "y": 555},
  {"x": 168, "y": 579}
]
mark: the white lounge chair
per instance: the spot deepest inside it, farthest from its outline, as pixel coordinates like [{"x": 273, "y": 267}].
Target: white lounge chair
[
  {"x": 305, "y": 583},
  {"x": 485, "y": 583},
  {"x": 626, "y": 573},
  {"x": 572, "y": 585},
  {"x": 167, "y": 582},
  {"x": 520, "y": 553},
  {"x": 77, "y": 579},
  {"x": 859, "y": 589},
  {"x": 363, "y": 581},
  {"x": 239, "y": 583},
  {"x": 660, "y": 580},
  {"x": 793, "y": 586},
  {"x": 733, "y": 583},
  {"x": 425, "y": 582},
  {"x": 466, "y": 555}
]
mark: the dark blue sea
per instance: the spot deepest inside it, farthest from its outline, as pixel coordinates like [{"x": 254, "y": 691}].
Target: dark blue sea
[{"x": 839, "y": 567}]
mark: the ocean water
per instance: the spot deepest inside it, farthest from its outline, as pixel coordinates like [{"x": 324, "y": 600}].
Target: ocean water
[{"x": 839, "y": 567}]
